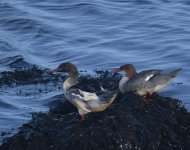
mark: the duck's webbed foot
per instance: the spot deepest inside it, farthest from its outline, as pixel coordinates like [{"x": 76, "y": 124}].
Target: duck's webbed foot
[{"x": 145, "y": 97}]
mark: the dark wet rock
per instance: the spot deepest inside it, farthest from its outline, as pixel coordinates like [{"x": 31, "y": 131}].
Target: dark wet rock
[
  {"x": 129, "y": 123},
  {"x": 34, "y": 75},
  {"x": 27, "y": 76}
]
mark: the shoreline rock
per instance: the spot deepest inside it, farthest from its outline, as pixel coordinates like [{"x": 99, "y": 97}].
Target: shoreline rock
[{"x": 129, "y": 123}]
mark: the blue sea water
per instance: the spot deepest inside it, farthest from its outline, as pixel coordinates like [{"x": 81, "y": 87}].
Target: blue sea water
[{"x": 93, "y": 34}]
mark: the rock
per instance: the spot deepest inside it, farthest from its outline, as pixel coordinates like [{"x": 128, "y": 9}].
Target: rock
[
  {"x": 21, "y": 77},
  {"x": 161, "y": 123},
  {"x": 129, "y": 123}
]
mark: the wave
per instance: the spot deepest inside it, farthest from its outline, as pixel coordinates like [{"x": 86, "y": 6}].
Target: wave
[{"x": 5, "y": 105}]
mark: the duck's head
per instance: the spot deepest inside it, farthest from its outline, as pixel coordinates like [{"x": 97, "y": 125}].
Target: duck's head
[
  {"x": 129, "y": 69},
  {"x": 66, "y": 67}
]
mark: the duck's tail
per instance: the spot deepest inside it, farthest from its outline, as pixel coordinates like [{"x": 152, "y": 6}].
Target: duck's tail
[
  {"x": 107, "y": 99},
  {"x": 112, "y": 97},
  {"x": 174, "y": 73}
]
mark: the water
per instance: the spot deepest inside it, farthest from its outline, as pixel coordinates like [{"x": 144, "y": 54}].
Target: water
[{"x": 101, "y": 34}]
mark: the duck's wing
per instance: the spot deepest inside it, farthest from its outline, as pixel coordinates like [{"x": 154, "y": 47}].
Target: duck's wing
[
  {"x": 88, "y": 95},
  {"x": 164, "y": 78},
  {"x": 83, "y": 95},
  {"x": 142, "y": 80},
  {"x": 101, "y": 96},
  {"x": 144, "y": 76},
  {"x": 147, "y": 74},
  {"x": 90, "y": 102}
]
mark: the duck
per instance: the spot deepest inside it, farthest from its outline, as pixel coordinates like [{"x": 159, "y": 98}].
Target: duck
[
  {"x": 146, "y": 82},
  {"x": 88, "y": 100}
]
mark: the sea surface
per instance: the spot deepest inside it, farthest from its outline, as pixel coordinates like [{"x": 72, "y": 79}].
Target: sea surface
[{"x": 93, "y": 34}]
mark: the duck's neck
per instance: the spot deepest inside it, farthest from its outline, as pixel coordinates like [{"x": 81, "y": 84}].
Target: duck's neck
[
  {"x": 70, "y": 81},
  {"x": 129, "y": 74},
  {"x": 132, "y": 72},
  {"x": 122, "y": 83}
]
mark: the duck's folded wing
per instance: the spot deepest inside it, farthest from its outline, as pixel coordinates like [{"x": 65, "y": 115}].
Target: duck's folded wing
[
  {"x": 146, "y": 73},
  {"x": 160, "y": 79},
  {"x": 88, "y": 96},
  {"x": 82, "y": 95},
  {"x": 139, "y": 82},
  {"x": 143, "y": 77}
]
